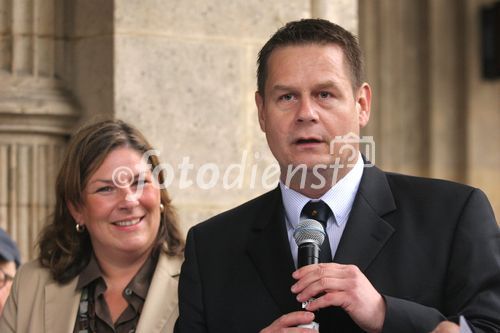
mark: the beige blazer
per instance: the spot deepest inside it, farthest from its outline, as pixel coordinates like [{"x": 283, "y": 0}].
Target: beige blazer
[{"x": 39, "y": 304}]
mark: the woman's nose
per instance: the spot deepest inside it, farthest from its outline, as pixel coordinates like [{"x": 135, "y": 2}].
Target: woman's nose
[{"x": 130, "y": 197}]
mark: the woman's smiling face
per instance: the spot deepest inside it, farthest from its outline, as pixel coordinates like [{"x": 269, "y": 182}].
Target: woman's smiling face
[{"x": 121, "y": 218}]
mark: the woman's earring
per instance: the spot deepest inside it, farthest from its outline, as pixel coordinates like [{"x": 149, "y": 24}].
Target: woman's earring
[
  {"x": 80, "y": 228},
  {"x": 162, "y": 208}
]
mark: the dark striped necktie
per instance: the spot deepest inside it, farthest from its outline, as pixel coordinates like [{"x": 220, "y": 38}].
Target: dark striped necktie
[{"x": 320, "y": 212}]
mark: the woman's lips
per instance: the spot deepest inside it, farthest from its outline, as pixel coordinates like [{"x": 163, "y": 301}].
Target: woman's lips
[{"x": 127, "y": 223}]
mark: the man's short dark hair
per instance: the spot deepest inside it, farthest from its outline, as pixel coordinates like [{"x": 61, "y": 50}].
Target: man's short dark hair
[{"x": 312, "y": 31}]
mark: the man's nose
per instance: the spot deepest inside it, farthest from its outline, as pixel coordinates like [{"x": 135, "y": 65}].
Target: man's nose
[{"x": 306, "y": 111}]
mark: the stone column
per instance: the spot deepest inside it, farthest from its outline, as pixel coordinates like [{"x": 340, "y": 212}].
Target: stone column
[
  {"x": 392, "y": 34},
  {"x": 36, "y": 116},
  {"x": 482, "y": 107},
  {"x": 342, "y": 12},
  {"x": 432, "y": 113}
]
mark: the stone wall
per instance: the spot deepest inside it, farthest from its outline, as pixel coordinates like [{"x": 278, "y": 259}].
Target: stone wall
[
  {"x": 181, "y": 71},
  {"x": 185, "y": 75},
  {"x": 37, "y": 114}
]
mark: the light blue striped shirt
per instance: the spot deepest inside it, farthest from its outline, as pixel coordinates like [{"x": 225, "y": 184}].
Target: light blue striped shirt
[{"x": 339, "y": 198}]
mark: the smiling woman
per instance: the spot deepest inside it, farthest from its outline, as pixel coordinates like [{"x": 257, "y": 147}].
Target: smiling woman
[{"x": 110, "y": 257}]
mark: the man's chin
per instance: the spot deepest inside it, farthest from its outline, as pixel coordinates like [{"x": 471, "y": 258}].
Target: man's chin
[
  {"x": 306, "y": 169},
  {"x": 312, "y": 172},
  {"x": 312, "y": 165}
]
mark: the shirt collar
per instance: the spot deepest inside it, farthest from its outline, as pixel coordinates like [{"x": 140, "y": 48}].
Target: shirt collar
[
  {"x": 90, "y": 273},
  {"x": 139, "y": 283},
  {"x": 339, "y": 198}
]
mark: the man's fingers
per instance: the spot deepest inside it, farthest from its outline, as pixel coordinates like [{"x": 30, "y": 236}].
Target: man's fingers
[
  {"x": 344, "y": 286},
  {"x": 312, "y": 273},
  {"x": 323, "y": 285},
  {"x": 447, "y": 327},
  {"x": 301, "y": 272},
  {"x": 326, "y": 300},
  {"x": 295, "y": 318},
  {"x": 287, "y": 323}
]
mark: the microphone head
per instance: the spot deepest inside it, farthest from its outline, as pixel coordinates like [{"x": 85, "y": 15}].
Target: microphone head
[{"x": 309, "y": 231}]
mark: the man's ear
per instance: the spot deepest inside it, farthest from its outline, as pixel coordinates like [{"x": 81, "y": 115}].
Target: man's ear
[
  {"x": 259, "y": 101},
  {"x": 76, "y": 212},
  {"x": 363, "y": 104}
]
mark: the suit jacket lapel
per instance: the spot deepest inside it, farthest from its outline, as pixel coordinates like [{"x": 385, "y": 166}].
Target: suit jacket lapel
[
  {"x": 363, "y": 238},
  {"x": 366, "y": 231},
  {"x": 61, "y": 303},
  {"x": 161, "y": 301},
  {"x": 270, "y": 252}
]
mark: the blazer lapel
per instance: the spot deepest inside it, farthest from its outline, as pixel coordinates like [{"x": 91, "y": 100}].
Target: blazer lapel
[
  {"x": 161, "y": 302},
  {"x": 366, "y": 231},
  {"x": 61, "y": 303},
  {"x": 270, "y": 252}
]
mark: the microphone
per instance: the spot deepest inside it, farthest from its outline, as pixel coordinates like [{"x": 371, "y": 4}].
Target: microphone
[{"x": 309, "y": 235}]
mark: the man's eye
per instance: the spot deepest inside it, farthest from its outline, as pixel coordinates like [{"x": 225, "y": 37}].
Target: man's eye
[
  {"x": 286, "y": 97},
  {"x": 324, "y": 94}
]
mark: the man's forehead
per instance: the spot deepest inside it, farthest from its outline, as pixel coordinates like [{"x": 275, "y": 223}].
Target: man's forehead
[{"x": 309, "y": 61}]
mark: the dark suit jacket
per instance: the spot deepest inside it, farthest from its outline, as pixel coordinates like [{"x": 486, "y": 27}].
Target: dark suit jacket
[{"x": 430, "y": 247}]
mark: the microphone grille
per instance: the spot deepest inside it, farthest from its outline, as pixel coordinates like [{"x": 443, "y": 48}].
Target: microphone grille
[{"x": 309, "y": 231}]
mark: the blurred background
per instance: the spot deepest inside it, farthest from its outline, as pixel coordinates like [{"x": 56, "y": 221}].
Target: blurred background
[{"x": 183, "y": 72}]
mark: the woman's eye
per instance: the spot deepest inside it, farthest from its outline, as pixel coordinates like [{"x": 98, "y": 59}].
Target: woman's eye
[
  {"x": 141, "y": 181},
  {"x": 105, "y": 189}
]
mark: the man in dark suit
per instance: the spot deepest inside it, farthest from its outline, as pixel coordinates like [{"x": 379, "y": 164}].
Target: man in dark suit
[{"x": 407, "y": 252}]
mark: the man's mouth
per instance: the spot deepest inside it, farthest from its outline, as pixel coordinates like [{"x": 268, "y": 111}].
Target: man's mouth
[{"x": 307, "y": 141}]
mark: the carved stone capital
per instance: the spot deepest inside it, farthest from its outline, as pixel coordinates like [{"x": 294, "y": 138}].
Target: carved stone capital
[{"x": 35, "y": 105}]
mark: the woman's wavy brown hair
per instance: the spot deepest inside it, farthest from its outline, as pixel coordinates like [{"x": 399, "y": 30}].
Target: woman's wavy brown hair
[{"x": 64, "y": 251}]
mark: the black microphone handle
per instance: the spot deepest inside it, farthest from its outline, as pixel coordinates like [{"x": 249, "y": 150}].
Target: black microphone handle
[{"x": 308, "y": 254}]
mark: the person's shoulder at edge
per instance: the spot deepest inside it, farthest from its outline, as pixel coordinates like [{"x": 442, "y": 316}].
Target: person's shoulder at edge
[
  {"x": 30, "y": 279},
  {"x": 32, "y": 271},
  {"x": 428, "y": 187},
  {"x": 429, "y": 196}
]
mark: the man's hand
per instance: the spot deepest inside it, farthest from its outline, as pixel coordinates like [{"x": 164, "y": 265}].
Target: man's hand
[
  {"x": 344, "y": 286},
  {"x": 289, "y": 322},
  {"x": 446, "y": 327}
]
